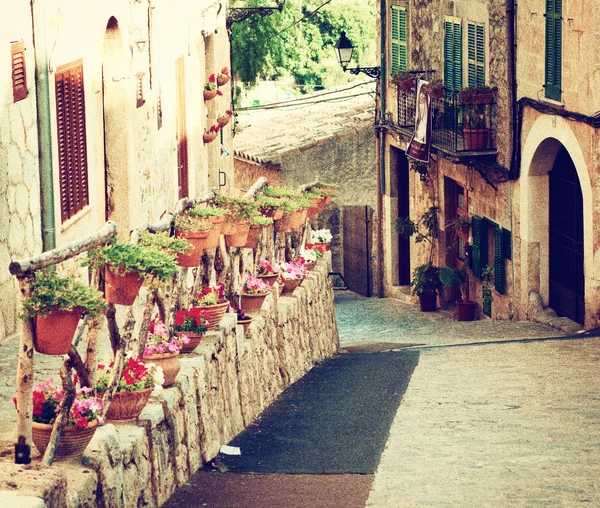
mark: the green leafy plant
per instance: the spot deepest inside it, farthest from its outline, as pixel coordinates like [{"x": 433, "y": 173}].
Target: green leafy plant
[
  {"x": 426, "y": 280},
  {"x": 260, "y": 220},
  {"x": 425, "y": 230},
  {"x": 239, "y": 208},
  {"x": 205, "y": 212},
  {"x": 129, "y": 257},
  {"x": 487, "y": 276},
  {"x": 164, "y": 242},
  {"x": 51, "y": 292},
  {"x": 456, "y": 277},
  {"x": 188, "y": 223}
]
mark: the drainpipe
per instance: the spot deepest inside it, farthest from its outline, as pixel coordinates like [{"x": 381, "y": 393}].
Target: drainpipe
[
  {"x": 42, "y": 92},
  {"x": 381, "y": 149}
]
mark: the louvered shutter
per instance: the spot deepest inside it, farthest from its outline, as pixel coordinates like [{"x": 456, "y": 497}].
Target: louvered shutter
[
  {"x": 452, "y": 54},
  {"x": 72, "y": 144},
  {"x": 553, "y": 75},
  {"x": 19, "y": 73},
  {"x": 507, "y": 243},
  {"x": 398, "y": 40},
  {"x": 476, "y": 54},
  {"x": 499, "y": 277},
  {"x": 479, "y": 228}
]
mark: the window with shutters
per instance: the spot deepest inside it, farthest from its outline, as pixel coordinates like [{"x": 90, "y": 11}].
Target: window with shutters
[
  {"x": 553, "y": 78},
  {"x": 72, "y": 146},
  {"x": 475, "y": 54},
  {"x": 19, "y": 74},
  {"x": 452, "y": 53},
  {"x": 398, "y": 40},
  {"x": 489, "y": 249}
]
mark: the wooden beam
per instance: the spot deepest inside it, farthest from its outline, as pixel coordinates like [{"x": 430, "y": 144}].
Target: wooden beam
[{"x": 256, "y": 186}]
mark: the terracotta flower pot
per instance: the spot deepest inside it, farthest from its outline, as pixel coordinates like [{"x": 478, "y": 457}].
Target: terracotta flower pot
[
  {"x": 128, "y": 405},
  {"x": 239, "y": 238},
  {"x": 198, "y": 241},
  {"x": 212, "y": 242},
  {"x": 209, "y": 137},
  {"x": 122, "y": 288},
  {"x": 269, "y": 279},
  {"x": 229, "y": 227},
  {"x": 253, "y": 236},
  {"x": 313, "y": 211},
  {"x": 465, "y": 311},
  {"x": 73, "y": 440},
  {"x": 169, "y": 363},
  {"x": 195, "y": 339},
  {"x": 245, "y": 323},
  {"x": 54, "y": 332},
  {"x": 215, "y": 313},
  {"x": 222, "y": 79},
  {"x": 310, "y": 265},
  {"x": 274, "y": 213},
  {"x": 298, "y": 218},
  {"x": 209, "y": 94},
  {"x": 250, "y": 303},
  {"x": 289, "y": 285},
  {"x": 283, "y": 225},
  {"x": 223, "y": 120}
]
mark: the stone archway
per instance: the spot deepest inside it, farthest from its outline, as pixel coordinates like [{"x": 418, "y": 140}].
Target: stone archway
[
  {"x": 548, "y": 137},
  {"x": 118, "y": 133}
]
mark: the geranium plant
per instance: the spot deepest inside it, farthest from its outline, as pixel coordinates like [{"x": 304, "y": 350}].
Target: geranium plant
[
  {"x": 211, "y": 84},
  {"x": 293, "y": 270},
  {"x": 319, "y": 249},
  {"x": 159, "y": 340},
  {"x": 191, "y": 320},
  {"x": 211, "y": 295},
  {"x": 266, "y": 268},
  {"x": 255, "y": 286},
  {"x": 47, "y": 398},
  {"x": 136, "y": 375},
  {"x": 321, "y": 236},
  {"x": 228, "y": 113},
  {"x": 309, "y": 255}
]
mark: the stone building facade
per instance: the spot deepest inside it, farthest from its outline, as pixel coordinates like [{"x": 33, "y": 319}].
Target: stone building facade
[
  {"x": 539, "y": 239},
  {"x": 112, "y": 127}
]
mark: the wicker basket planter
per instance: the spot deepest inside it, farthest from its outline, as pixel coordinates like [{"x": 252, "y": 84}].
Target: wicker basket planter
[
  {"x": 169, "y": 363},
  {"x": 128, "y": 405},
  {"x": 73, "y": 440}
]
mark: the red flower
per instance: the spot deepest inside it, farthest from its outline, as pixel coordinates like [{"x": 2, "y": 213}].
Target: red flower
[
  {"x": 212, "y": 78},
  {"x": 37, "y": 409},
  {"x": 180, "y": 317},
  {"x": 219, "y": 92},
  {"x": 81, "y": 422},
  {"x": 309, "y": 246},
  {"x": 151, "y": 327},
  {"x": 15, "y": 402},
  {"x": 38, "y": 397},
  {"x": 198, "y": 315},
  {"x": 101, "y": 366},
  {"x": 129, "y": 379},
  {"x": 225, "y": 70}
]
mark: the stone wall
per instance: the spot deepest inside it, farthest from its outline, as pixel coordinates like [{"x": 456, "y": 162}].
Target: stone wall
[{"x": 221, "y": 388}]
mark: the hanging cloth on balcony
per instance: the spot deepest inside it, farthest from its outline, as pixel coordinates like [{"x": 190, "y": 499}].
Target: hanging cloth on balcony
[{"x": 420, "y": 143}]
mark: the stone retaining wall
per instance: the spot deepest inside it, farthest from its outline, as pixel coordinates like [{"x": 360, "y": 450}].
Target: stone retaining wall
[{"x": 221, "y": 388}]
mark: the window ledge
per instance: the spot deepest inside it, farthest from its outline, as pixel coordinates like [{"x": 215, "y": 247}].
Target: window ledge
[
  {"x": 76, "y": 218},
  {"x": 558, "y": 104}
]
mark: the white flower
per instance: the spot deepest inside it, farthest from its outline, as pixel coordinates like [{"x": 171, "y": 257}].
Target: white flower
[{"x": 321, "y": 236}]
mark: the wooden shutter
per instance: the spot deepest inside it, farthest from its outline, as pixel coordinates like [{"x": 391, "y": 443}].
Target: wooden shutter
[
  {"x": 507, "y": 243},
  {"x": 553, "y": 75},
  {"x": 398, "y": 40},
  {"x": 480, "y": 245},
  {"x": 476, "y": 54},
  {"x": 72, "y": 145},
  {"x": 452, "y": 54},
  {"x": 499, "y": 277},
  {"x": 19, "y": 73}
]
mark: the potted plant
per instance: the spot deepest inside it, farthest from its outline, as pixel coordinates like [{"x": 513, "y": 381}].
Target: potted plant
[
  {"x": 163, "y": 350},
  {"x": 254, "y": 292},
  {"x": 224, "y": 118},
  {"x": 481, "y": 94},
  {"x": 318, "y": 200},
  {"x": 56, "y": 304},
  {"x": 213, "y": 214},
  {"x": 487, "y": 297},
  {"x": 404, "y": 80},
  {"x": 458, "y": 277},
  {"x": 267, "y": 272},
  {"x": 223, "y": 76},
  {"x": 211, "y": 134},
  {"x": 309, "y": 257},
  {"x": 425, "y": 284},
  {"x": 134, "y": 387},
  {"x": 329, "y": 190},
  {"x": 320, "y": 237},
  {"x": 126, "y": 266},
  {"x": 270, "y": 206},
  {"x": 190, "y": 323},
  {"x": 163, "y": 242},
  {"x": 82, "y": 421},
  {"x": 237, "y": 222},
  {"x": 210, "y": 88},
  {"x": 292, "y": 274},
  {"x": 257, "y": 223},
  {"x": 196, "y": 233},
  {"x": 435, "y": 88},
  {"x": 213, "y": 303}
]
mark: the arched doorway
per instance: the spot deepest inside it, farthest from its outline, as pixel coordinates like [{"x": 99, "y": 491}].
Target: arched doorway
[{"x": 566, "y": 278}]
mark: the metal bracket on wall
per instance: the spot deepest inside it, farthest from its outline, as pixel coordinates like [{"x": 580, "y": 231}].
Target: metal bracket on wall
[
  {"x": 224, "y": 179},
  {"x": 338, "y": 274}
]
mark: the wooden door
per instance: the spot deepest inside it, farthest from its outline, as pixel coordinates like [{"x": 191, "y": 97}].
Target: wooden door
[
  {"x": 357, "y": 233},
  {"x": 404, "y": 275},
  {"x": 566, "y": 240}
]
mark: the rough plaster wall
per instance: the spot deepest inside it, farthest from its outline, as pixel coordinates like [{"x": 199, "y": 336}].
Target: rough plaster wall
[{"x": 246, "y": 173}]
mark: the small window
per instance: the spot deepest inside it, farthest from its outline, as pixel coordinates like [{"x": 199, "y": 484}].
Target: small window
[
  {"x": 139, "y": 78},
  {"x": 19, "y": 74}
]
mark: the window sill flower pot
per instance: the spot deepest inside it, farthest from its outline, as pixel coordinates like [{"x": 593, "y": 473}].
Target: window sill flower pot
[
  {"x": 195, "y": 340},
  {"x": 215, "y": 313},
  {"x": 198, "y": 240},
  {"x": 54, "y": 332},
  {"x": 168, "y": 362},
  {"x": 128, "y": 405},
  {"x": 209, "y": 94},
  {"x": 209, "y": 137},
  {"x": 73, "y": 440},
  {"x": 122, "y": 288},
  {"x": 239, "y": 238},
  {"x": 465, "y": 311},
  {"x": 250, "y": 303},
  {"x": 476, "y": 139}
]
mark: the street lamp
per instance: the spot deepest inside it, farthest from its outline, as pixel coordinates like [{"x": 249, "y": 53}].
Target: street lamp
[
  {"x": 237, "y": 14},
  {"x": 344, "y": 49}
]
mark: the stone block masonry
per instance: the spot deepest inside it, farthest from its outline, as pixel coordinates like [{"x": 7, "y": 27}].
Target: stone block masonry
[{"x": 222, "y": 387}]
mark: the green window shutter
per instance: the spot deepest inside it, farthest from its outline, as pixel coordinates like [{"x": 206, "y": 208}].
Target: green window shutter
[
  {"x": 398, "y": 40},
  {"x": 553, "y": 74},
  {"x": 452, "y": 54},
  {"x": 475, "y": 54},
  {"x": 507, "y": 243},
  {"x": 499, "y": 278},
  {"x": 476, "y": 226}
]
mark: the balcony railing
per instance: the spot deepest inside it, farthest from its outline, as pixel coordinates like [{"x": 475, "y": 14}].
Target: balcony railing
[{"x": 459, "y": 129}]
